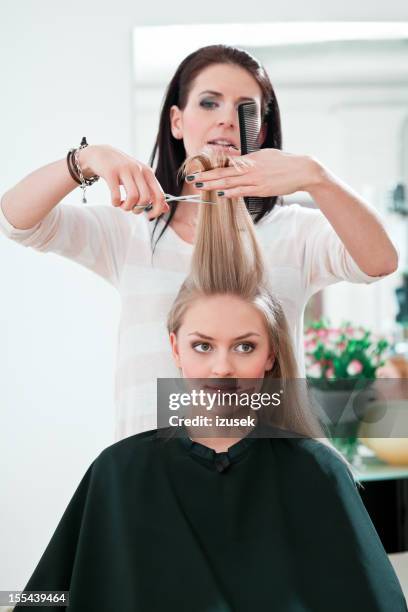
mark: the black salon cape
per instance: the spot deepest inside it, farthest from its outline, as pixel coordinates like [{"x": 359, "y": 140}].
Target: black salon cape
[{"x": 274, "y": 524}]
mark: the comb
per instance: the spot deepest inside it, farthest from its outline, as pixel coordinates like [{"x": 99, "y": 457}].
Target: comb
[{"x": 249, "y": 130}]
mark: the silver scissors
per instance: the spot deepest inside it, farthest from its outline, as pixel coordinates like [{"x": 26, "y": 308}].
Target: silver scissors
[{"x": 196, "y": 199}]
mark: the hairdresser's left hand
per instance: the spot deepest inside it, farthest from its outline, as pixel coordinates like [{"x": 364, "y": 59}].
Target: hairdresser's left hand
[{"x": 267, "y": 172}]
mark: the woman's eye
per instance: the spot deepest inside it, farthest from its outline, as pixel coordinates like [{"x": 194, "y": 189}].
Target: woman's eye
[
  {"x": 207, "y": 103},
  {"x": 195, "y": 346},
  {"x": 248, "y": 345}
]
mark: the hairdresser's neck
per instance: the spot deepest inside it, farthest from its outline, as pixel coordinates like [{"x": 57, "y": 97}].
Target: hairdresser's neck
[{"x": 187, "y": 212}]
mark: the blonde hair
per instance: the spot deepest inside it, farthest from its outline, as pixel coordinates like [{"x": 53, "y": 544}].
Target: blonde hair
[{"x": 228, "y": 259}]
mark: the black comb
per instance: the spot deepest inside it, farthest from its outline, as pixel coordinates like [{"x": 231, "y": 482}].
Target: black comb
[{"x": 249, "y": 130}]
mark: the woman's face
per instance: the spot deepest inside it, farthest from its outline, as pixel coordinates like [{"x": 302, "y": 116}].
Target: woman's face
[
  {"x": 213, "y": 116},
  {"x": 222, "y": 336}
]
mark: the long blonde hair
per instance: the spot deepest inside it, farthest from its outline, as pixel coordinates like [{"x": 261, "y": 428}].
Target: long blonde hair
[{"x": 228, "y": 259}]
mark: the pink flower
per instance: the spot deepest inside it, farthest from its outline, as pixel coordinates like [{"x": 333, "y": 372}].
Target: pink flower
[
  {"x": 315, "y": 370},
  {"x": 330, "y": 373},
  {"x": 310, "y": 345},
  {"x": 334, "y": 334},
  {"x": 354, "y": 367},
  {"x": 309, "y": 334}
]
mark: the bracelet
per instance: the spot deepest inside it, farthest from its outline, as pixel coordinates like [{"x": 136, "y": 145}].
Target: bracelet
[
  {"x": 71, "y": 167},
  {"x": 76, "y": 171}
]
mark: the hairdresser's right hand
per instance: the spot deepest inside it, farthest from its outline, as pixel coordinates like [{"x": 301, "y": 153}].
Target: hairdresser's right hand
[{"x": 118, "y": 168}]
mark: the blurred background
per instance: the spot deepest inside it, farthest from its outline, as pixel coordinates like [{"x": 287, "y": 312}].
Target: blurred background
[{"x": 340, "y": 73}]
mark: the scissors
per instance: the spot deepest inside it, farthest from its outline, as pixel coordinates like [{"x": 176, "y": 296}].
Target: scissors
[{"x": 196, "y": 199}]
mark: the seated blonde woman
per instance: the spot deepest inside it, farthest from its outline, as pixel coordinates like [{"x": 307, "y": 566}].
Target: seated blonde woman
[{"x": 218, "y": 523}]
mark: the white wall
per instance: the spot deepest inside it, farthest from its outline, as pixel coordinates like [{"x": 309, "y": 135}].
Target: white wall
[{"x": 65, "y": 73}]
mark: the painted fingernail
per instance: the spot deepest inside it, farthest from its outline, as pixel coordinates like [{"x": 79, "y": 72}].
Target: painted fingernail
[
  {"x": 198, "y": 184},
  {"x": 190, "y": 177},
  {"x": 220, "y": 193}
]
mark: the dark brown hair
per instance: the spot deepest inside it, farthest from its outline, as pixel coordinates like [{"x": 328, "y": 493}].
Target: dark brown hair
[{"x": 171, "y": 153}]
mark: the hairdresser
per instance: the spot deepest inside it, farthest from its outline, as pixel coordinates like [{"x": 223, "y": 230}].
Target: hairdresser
[{"x": 305, "y": 249}]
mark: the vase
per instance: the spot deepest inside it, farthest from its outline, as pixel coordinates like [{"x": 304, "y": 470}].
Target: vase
[{"x": 342, "y": 405}]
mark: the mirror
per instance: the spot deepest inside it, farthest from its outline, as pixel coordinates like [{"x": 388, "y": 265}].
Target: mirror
[{"x": 343, "y": 94}]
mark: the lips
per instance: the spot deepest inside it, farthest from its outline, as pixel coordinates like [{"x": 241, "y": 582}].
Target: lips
[
  {"x": 221, "y": 388},
  {"x": 223, "y": 144},
  {"x": 232, "y": 148}
]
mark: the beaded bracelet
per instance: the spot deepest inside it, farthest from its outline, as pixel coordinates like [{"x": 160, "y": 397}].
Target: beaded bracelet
[{"x": 76, "y": 171}]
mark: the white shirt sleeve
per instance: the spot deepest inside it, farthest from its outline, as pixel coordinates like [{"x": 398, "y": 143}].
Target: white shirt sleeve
[
  {"x": 96, "y": 237},
  {"x": 325, "y": 259}
]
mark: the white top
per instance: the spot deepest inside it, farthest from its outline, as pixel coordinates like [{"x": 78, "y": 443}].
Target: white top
[{"x": 302, "y": 251}]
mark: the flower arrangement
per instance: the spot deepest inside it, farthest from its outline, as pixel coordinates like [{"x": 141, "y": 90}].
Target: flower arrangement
[{"x": 338, "y": 353}]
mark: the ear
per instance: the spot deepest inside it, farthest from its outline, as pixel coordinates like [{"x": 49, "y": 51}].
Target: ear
[
  {"x": 270, "y": 362},
  {"x": 174, "y": 349},
  {"x": 175, "y": 122}
]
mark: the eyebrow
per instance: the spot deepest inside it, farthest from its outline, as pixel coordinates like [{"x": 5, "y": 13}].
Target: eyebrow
[
  {"x": 196, "y": 333},
  {"x": 220, "y": 95}
]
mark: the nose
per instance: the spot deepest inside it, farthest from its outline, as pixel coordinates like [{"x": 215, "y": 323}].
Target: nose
[
  {"x": 222, "y": 366},
  {"x": 228, "y": 115}
]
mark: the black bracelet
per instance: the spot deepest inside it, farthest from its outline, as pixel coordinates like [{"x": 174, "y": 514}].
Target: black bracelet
[
  {"x": 85, "y": 181},
  {"x": 76, "y": 171},
  {"x": 71, "y": 166}
]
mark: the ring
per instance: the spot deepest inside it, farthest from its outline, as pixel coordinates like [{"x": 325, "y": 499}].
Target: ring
[{"x": 147, "y": 208}]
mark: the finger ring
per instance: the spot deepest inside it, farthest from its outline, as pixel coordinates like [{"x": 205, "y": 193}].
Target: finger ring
[{"x": 140, "y": 207}]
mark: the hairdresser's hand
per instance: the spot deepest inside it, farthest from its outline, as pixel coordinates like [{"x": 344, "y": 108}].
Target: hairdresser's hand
[
  {"x": 268, "y": 172},
  {"x": 118, "y": 168}
]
